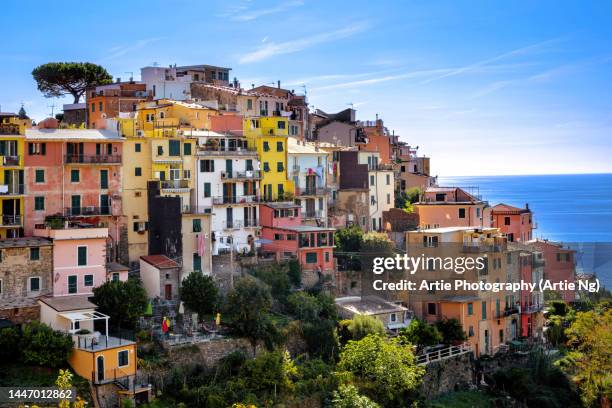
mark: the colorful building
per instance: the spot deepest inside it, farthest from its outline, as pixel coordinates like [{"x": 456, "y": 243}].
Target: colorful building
[
  {"x": 161, "y": 276},
  {"x": 441, "y": 207},
  {"x": 12, "y": 130},
  {"x": 559, "y": 264},
  {"x": 516, "y": 223},
  {"x": 381, "y": 186},
  {"x": 108, "y": 101},
  {"x": 177, "y": 82},
  {"x": 284, "y": 236},
  {"x": 268, "y": 137}
]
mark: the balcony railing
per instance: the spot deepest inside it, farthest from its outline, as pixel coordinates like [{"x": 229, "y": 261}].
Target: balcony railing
[
  {"x": 312, "y": 214},
  {"x": 86, "y": 211},
  {"x": 383, "y": 167},
  {"x": 312, "y": 191},
  {"x": 9, "y": 129},
  {"x": 227, "y": 151},
  {"x": 241, "y": 175},
  {"x": 11, "y": 189},
  {"x": 510, "y": 311},
  {"x": 11, "y": 220},
  {"x": 533, "y": 308},
  {"x": 295, "y": 169},
  {"x": 236, "y": 199},
  {"x": 174, "y": 184},
  {"x": 478, "y": 248},
  {"x": 196, "y": 209},
  {"x": 250, "y": 223},
  {"x": 92, "y": 159},
  {"x": 11, "y": 160},
  {"x": 233, "y": 224}
]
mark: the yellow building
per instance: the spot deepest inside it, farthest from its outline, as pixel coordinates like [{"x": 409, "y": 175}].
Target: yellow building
[
  {"x": 268, "y": 136},
  {"x": 156, "y": 149},
  {"x": 12, "y": 130}
]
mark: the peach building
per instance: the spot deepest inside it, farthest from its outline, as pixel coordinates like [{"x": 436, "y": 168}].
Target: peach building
[
  {"x": 441, "y": 207},
  {"x": 79, "y": 259},
  {"x": 559, "y": 264},
  {"x": 74, "y": 174},
  {"x": 516, "y": 223},
  {"x": 106, "y": 101}
]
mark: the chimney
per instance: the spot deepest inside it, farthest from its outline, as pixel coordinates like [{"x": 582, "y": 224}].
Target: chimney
[
  {"x": 278, "y": 84},
  {"x": 526, "y": 206}
]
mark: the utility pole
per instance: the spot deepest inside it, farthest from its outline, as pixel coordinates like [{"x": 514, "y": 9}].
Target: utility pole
[{"x": 231, "y": 262}]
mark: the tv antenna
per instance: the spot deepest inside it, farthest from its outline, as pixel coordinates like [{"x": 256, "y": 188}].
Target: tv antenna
[
  {"x": 131, "y": 74},
  {"x": 52, "y": 106}
]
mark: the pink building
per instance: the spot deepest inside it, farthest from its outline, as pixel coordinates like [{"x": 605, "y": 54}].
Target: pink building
[
  {"x": 79, "y": 259},
  {"x": 559, "y": 264},
  {"x": 441, "y": 207},
  {"x": 284, "y": 236},
  {"x": 75, "y": 174},
  {"x": 516, "y": 223}
]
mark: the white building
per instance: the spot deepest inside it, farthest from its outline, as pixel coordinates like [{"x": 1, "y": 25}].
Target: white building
[
  {"x": 227, "y": 186},
  {"x": 381, "y": 187},
  {"x": 309, "y": 172},
  {"x": 175, "y": 82}
]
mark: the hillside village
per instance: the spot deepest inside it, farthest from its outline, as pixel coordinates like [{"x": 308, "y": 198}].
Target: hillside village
[{"x": 240, "y": 220}]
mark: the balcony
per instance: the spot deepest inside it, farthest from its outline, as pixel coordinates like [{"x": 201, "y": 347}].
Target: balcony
[
  {"x": 312, "y": 191},
  {"x": 9, "y": 129},
  {"x": 295, "y": 169},
  {"x": 11, "y": 220},
  {"x": 174, "y": 185},
  {"x": 384, "y": 167},
  {"x": 251, "y": 223},
  {"x": 225, "y": 151},
  {"x": 86, "y": 211},
  {"x": 533, "y": 309},
  {"x": 196, "y": 209},
  {"x": 11, "y": 189},
  {"x": 249, "y": 199},
  {"x": 11, "y": 160},
  {"x": 241, "y": 175},
  {"x": 481, "y": 248},
  {"x": 232, "y": 225},
  {"x": 92, "y": 159},
  {"x": 510, "y": 311},
  {"x": 312, "y": 214}
]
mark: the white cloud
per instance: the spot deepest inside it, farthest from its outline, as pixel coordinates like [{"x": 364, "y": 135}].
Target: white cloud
[
  {"x": 271, "y": 49},
  {"x": 244, "y": 14},
  {"x": 121, "y": 50}
]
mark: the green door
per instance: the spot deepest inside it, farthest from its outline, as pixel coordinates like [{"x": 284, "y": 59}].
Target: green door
[
  {"x": 72, "y": 284},
  {"x": 197, "y": 263},
  {"x": 228, "y": 167},
  {"x": 104, "y": 204},
  {"x": 104, "y": 179},
  {"x": 75, "y": 205}
]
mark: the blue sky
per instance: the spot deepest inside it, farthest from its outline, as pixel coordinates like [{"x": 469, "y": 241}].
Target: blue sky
[{"x": 482, "y": 87}]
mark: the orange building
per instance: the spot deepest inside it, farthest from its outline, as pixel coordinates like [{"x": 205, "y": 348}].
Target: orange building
[
  {"x": 378, "y": 140},
  {"x": 516, "y": 223},
  {"x": 106, "y": 101},
  {"x": 559, "y": 264},
  {"x": 441, "y": 207}
]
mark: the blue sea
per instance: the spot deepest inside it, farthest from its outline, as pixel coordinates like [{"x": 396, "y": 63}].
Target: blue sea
[{"x": 575, "y": 209}]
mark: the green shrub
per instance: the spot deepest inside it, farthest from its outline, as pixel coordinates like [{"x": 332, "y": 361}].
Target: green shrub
[
  {"x": 10, "y": 340},
  {"x": 43, "y": 346}
]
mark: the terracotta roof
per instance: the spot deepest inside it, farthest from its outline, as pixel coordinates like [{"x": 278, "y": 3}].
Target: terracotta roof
[
  {"x": 27, "y": 242},
  {"x": 160, "y": 261},
  {"x": 505, "y": 208},
  {"x": 68, "y": 303}
]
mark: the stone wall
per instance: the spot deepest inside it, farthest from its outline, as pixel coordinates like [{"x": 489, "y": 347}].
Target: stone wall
[
  {"x": 209, "y": 353},
  {"x": 452, "y": 374}
]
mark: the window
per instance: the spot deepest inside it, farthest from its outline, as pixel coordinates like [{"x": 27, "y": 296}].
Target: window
[
  {"x": 72, "y": 284},
  {"x": 138, "y": 171},
  {"x": 93, "y": 107},
  {"x": 280, "y": 167},
  {"x": 326, "y": 256},
  {"x": 40, "y": 176},
  {"x": 311, "y": 257},
  {"x": 249, "y": 104},
  {"x": 388, "y": 179},
  {"x": 484, "y": 310},
  {"x": 509, "y": 258},
  {"x": 115, "y": 277},
  {"x": 279, "y": 146},
  {"x": 197, "y": 262},
  {"x": 104, "y": 179},
  {"x": 187, "y": 149},
  {"x": 88, "y": 280},
  {"x": 506, "y": 220},
  {"x": 101, "y": 106},
  {"x": 74, "y": 175},
  {"x": 82, "y": 255},
  {"x": 207, "y": 166},
  {"x": 196, "y": 225},
  {"x": 174, "y": 146},
  {"x": 137, "y": 147},
  {"x": 462, "y": 213},
  {"x": 278, "y": 237},
  {"x": 281, "y": 124},
  {"x": 160, "y": 150},
  {"x": 123, "y": 358},
  {"x": 478, "y": 212},
  {"x": 39, "y": 203},
  {"x": 281, "y": 190},
  {"x": 431, "y": 308},
  {"x": 187, "y": 174},
  {"x": 34, "y": 284},
  {"x": 266, "y": 167},
  {"x": 206, "y": 190},
  {"x": 470, "y": 309},
  {"x": 471, "y": 331},
  {"x": 266, "y": 146},
  {"x": 35, "y": 149},
  {"x": 388, "y": 198},
  {"x": 34, "y": 254},
  {"x": 372, "y": 180}
]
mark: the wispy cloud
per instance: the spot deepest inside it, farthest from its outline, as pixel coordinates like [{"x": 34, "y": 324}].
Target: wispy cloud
[
  {"x": 271, "y": 49},
  {"x": 243, "y": 13},
  {"x": 121, "y": 50}
]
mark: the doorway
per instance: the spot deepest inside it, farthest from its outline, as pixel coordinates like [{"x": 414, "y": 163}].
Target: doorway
[{"x": 100, "y": 368}]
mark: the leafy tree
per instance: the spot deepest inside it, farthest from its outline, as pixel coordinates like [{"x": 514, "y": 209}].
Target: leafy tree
[
  {"x": 10, "y": 339},
  {"x": 199, "y": 293},
  {"x": 124, "y": 302},
  {"x": 321, "y": 338},
  {"x": 421, "y": 334},
  {"x": 404, "y": 200},
  {"x": 275, "y": 275},
  {"x": 384, "y": 369},
  {"x": 348, "y": 239},
  {"x": 44, "y": 346},
  {"x": 347, "y": 396},
  {"x": 361, "y": 326},
  {"x": 249, "y": 304},
  {"x": 269, "y": 373},
  {"x": 56, "y": 79},
  {"x": 294, "y": 273},
  {"x": 589, "y": 362},
  {"x": 558, "y": 308},
  {"x": 451, "y": 331},
  {"x": 304, "y": 306}
]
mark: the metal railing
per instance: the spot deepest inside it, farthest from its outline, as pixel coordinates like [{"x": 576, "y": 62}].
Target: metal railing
[
  {"x": 533, "y": 308},
  {"x": 312, "y": 191},
  {"x": 312, "y": 214},
  {"x": 11, "y": 189},
  {"x": 9, "y": 129},
  {"x": 174, "y": 184},
  {"x": 239, "y": 175},
  {"x": 248, "y": 199},
  {"x": 476, "y": 248},
  {"x": 249, "y": 223},
  {"x": 86, "y": 211},
  {"x": 233, "y": 224},
  {"x": 444, "y": 353},
  {"x": 11, "y": 220},
  {"x": 196, "y": 209},
  {"x": 11, "y": 160},
  {"x": 92, "y": 159}
]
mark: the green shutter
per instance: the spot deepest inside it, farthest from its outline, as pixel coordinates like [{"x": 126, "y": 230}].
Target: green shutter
[
  {"x": 187, "y": 149},
  {"x": 197, "y": 263},
  {"x": 82, "y": 255},
  {"x": 174, "y": 147},
  {"x": 104, "y": 179},
  {"x": 206, "y": 189},
  {"x": 40, "y": 176}
]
